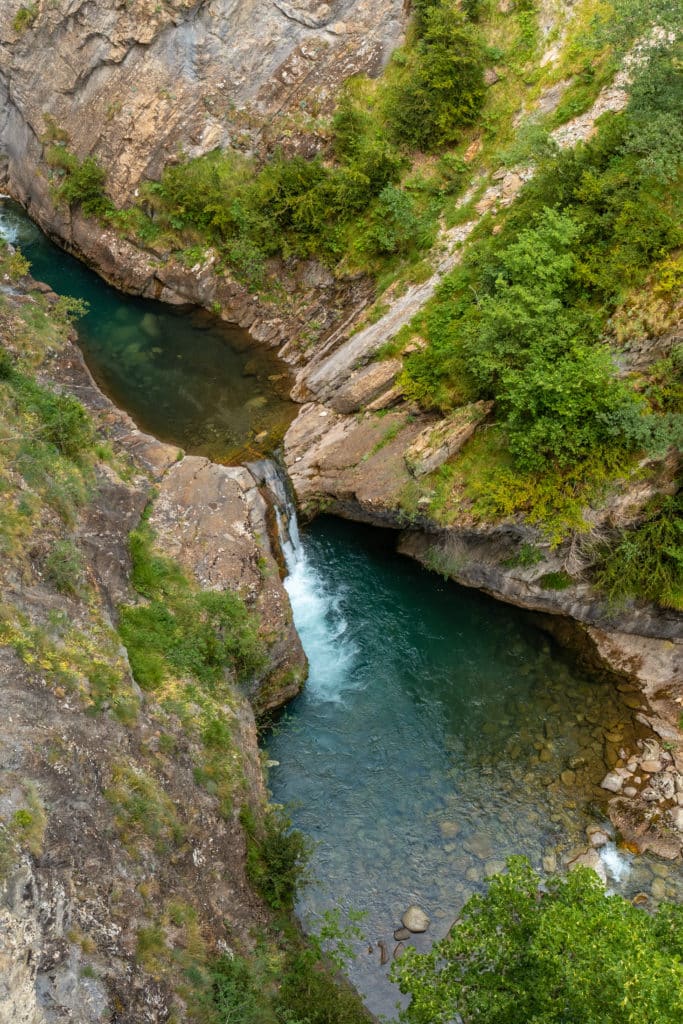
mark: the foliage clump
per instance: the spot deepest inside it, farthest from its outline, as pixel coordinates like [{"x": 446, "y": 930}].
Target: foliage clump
[
  {"x": 647, "y": 561},
  {"x": 441, "y": 88},
  {"x": 554, "y": 951},
  {"x": 25, "y": 17},
  {"x": 277, "y": 856},
  {"x": 81, "y": 181}
]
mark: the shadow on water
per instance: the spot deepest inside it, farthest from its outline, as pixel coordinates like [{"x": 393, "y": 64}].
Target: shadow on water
[{"x": 183, "y": 375}]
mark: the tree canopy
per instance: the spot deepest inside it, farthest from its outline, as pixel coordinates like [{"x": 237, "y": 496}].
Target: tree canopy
[{"x": 557, "y": 951}]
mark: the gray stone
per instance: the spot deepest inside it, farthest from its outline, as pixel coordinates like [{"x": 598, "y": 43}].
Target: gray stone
[
  {"x": 612, "y": 782},
  {"x": 597, "y": 836},
  {"x": 590, "y": 859},
  {"x": 415, "y": 919}
]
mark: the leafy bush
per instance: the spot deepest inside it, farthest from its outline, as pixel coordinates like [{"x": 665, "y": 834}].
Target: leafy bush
[
  {"x": 394, "y": 227},
  {"x": 277, "y": 856},
  {"x": 233, "y": 994},
  {"x": 82, "y": 181},
  {"x": 66, "y": 424},
  {"x": 553, "y": 950},
  {"x": 647, "y": 561},
  {"x": 442, "y": 86}
]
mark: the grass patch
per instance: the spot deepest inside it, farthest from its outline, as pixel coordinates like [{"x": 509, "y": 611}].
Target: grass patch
[
  {"x": 555, "y": 581},
  {"x": 28, "y": 824},
  {"x": 182, "y": 631},
  {"x": 142, "y": 808}
]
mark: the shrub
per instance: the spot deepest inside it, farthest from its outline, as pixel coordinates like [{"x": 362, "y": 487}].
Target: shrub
[
  {"x": 82, "y": 181},
  {"x": 442, "y": 87},
  {"x": 647, "y": 561},
  {"x": 233, "y": 995},
  {"x": 66, "y": 424},
  {"x": 277, "y": 856},
  {"x": 551, "y": 950},
  {"x": 395, "y": 227}
]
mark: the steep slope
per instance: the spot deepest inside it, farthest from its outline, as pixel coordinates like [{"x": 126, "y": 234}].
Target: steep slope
[{"x": 123, "y": 857}]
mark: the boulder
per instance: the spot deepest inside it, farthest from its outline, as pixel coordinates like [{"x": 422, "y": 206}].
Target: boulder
[
  {"x": 597, "y": 836},
  {"x": 438, "y": 442},
  {"x": 415, "y": 919},
  {"x": 677, "y": 818}
]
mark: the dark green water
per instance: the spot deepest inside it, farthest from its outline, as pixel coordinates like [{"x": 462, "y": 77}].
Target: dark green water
[{"x": 186, "y": 377}]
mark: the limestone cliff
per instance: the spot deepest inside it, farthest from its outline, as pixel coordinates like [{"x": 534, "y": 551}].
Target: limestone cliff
[{"x": 136, "y": 85}]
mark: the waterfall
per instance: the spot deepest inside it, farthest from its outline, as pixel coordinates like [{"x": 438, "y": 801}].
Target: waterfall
[{"x": 316, "y": 606}]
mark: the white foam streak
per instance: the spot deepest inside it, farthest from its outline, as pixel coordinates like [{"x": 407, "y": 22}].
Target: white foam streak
[
  {"x": 617, "y": 863},
  {"x": 317, "y": 610}
]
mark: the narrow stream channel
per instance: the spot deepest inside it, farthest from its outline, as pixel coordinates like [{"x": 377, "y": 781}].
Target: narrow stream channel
[{"x": 439, "y": 731}]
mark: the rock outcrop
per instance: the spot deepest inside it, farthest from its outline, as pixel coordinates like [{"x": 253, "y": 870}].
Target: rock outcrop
[
  {"x": 135, "y": 84},
  {"x": 213, "y": 519},
  {"x": 122, "y": 855}
]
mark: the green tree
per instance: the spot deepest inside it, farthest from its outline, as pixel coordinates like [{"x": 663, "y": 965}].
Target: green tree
[
  {"x": 442, "y": 88},
  {"x": 553, "y": 952}
]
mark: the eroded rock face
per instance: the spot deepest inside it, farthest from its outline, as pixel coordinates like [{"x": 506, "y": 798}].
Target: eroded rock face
[
  {"x": 213, "y": 520},
  {"x": 136, "y": 83},
  {"x": 125, "y": 837}
]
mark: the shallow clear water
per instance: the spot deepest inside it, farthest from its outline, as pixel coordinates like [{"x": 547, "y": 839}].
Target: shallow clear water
[
  {"x": 430, "y": 742},
  {"x": 187, "y": 378}
]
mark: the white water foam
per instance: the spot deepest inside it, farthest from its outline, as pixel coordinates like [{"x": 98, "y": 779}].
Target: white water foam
[
  {"x": 617, "y": 863},
  {"x": 317, "y": 609},
  {"x": 323, "y": 630},
  {"x": 15, "y": 228}
]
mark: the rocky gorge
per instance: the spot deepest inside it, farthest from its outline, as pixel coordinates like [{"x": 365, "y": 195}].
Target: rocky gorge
[{"x": 358, "y": 448}]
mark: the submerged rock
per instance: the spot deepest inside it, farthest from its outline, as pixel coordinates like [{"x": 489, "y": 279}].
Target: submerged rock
[
  {"x": 415, "y": 919},
  {"x": 612, "y": 782}
]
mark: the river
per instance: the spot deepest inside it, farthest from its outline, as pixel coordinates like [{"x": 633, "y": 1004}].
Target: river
[{"x": 439, "y": 731}]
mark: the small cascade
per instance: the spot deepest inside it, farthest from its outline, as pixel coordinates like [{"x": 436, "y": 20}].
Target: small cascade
[
  {"x": 616, "y": 862},
  {"x": 317, "y": 608}
]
